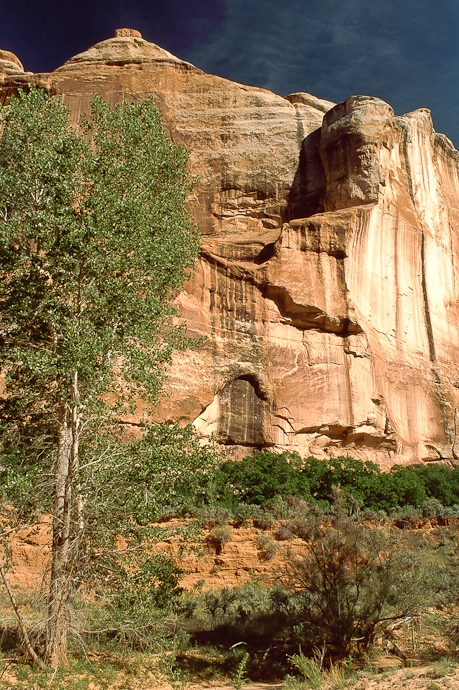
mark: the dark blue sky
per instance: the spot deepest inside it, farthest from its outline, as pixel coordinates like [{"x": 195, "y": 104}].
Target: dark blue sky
[{"x": 403, "y": 51}]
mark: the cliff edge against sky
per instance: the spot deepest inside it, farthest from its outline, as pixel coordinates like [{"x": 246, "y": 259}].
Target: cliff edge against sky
[{"x": 327, "y": 293}]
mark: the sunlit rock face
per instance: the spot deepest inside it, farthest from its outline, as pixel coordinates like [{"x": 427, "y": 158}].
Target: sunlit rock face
[{"x": 327, "y": 293}]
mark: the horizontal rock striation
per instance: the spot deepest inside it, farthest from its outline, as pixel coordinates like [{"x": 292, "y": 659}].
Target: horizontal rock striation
[{"x": 326, "y": 297}]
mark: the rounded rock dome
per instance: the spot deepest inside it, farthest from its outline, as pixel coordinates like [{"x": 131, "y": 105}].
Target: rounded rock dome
[{"x": 9, "y": 63}]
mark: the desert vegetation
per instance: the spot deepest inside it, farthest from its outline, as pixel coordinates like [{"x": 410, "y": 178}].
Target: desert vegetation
[{"x": 353, "y": 581}]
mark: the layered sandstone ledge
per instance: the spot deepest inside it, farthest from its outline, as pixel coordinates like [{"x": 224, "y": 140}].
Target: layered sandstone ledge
[{"x": 327, "y": 291}]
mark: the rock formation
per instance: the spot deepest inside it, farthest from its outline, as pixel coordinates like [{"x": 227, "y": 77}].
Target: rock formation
[{"x": 327, "y": 294}]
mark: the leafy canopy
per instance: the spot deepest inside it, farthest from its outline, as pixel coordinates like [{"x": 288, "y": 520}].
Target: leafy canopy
[
  {"x": 260, "y": 478},
  {"x": 95, "y": 240}
]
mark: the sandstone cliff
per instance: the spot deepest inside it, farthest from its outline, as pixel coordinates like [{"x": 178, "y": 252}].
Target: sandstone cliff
[{"x": 327, "y": 293}]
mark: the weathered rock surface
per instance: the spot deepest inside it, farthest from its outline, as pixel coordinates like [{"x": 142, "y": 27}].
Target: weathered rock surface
[
  {"x": 9, "y": 64},
  {"x": 327, "y": 291}
]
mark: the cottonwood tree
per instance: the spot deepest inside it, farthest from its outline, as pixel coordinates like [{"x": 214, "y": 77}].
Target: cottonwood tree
[{"x": 95, "y": 240}]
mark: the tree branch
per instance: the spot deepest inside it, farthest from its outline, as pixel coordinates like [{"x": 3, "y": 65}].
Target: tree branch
[{"x": 21, "y": 621}]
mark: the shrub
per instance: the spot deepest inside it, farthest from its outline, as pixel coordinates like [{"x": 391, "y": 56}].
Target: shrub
[
  {"x": 260, "y": 478},
  {"x": 135, "y": 603},
  {"x": 405, "y": 516},
  {"x": 431, "y": 508},
  {"x": 238, "y": 676},
  {"x": 246, "y": 511},
  {"x": 244, "y": 613},
  {"x": 263, "y": 519},
  {"x": 213, "y": 515},
  {"x": 303, "y": 521},
  {"x": 347, "y": 579},
  {"x": 266, "y": 546},
  {"x": 219, "y": 604},
  {"x": 283, "y": 533},
  {"x": 280, "y": 507},
  {"x": 154, "y": 584},
  {"x": 219, "y": 536},
  {"x": 310, "y": 669}
]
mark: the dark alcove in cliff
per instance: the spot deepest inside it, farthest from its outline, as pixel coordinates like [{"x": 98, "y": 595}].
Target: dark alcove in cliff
[{"x": 242, "y": 413}]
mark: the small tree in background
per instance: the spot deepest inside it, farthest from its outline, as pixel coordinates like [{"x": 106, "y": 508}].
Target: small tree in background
[
  {"x": 349, "y": 578},
  {"x": 95, "y": 241}
]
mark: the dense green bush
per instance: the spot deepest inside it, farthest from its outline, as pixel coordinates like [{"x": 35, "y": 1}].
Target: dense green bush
[
  {"x": 365, "y": 482},
  {"x": 267, "y": 479},
  {"x": 439, "y": 482},
  {"x": 152, "y": 585},
  {"x": 166, "y": 473},
  {"x": 351, "y": 475},
  {"x": 258, "y": 479},
  {"x": 264, "y": 478}
]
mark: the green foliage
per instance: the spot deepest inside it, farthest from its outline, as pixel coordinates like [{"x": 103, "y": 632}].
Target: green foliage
[
  {"x": 136, "y": 594},
  {"x": 262, "y": 518},
  {"x": 265, "y": 479},
  {"x": 309, "y": 668},
  {"x": 238, "y": 676},
  {"x": 258, "y": 479},
  {"x": 137, "y": 591},
  {"x": 23, "y": 488},
  {"x": 126, "y": 487},
  {"x": 220, "y": 604},
  {"x": 94, "y": 242},
  {"x": 439, "y": 482},
  {"x": 347, "y": 473},
  {"x": 177, "y": 677},
  {"x": 313, "y": 675},
  {"x": 212, "y": 515},
  {"x": 407, "y": 486},
  {"x": 167, "y": 471},
  {"x": 431, "y": 507},
  {"x": 152, "y": 584}
]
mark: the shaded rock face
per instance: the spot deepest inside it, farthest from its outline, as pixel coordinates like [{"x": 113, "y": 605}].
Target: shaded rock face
[{"x": 326, "y": 295}]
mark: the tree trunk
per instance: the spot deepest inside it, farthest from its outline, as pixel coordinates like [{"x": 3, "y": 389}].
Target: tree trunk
[
  {"x": 56, "y": 642},
  {"x": 59, "y": 587}
]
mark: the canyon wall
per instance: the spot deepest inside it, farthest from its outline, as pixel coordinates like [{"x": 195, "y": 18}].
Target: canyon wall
[{"x": 326, "y": 298}]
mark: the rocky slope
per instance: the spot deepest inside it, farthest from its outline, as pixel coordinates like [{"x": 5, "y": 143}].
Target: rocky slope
[{"x": 327, "y": 291}]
